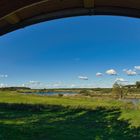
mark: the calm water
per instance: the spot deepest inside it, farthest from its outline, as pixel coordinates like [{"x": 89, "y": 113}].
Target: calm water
[
  {"x": 54, "y": 93},
  {"x": 134, "y": 101}
]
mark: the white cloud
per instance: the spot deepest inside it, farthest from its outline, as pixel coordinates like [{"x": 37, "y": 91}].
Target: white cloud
[
  {"x": 98, "y": 74},
  {"x": 55, "y": 85},
  {"x": 34, "y": 82},
  {"x": 137, "y": 67},
  {"x": 23, "y": 85},
  {"x": 60, "y": 85},
  {"x": 124, "y": 70},
  {"x": 72, "y": 85},
  {"x": 130, "y": 72},
  {"x": 120, "y": 80},
  {"x": 83, "y": 77},
  {"x": 3, "y": 76},
  {"x": 3, "y": 85},
  {"x": 111, "y": 72}
]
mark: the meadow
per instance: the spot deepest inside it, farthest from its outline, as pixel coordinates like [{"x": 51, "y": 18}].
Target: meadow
[{"x": 37, "y": 117}]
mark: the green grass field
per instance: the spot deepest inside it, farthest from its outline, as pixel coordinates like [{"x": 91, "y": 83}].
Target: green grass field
[{"x": 34, "y": 117}]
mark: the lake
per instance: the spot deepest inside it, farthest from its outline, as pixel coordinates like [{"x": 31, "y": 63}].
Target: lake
[{"x": 54, "y": 93}]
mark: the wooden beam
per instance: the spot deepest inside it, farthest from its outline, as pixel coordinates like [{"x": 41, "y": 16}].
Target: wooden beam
[
  {"x": 12, "y": 19},
  {"x": 89, "y": 3},
  {"x": 17, "y": 5}
]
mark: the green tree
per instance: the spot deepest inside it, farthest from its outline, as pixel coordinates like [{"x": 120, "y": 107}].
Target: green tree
[
  {"x": 117, "y": 91},
  {"x": 138, "y": 84}
]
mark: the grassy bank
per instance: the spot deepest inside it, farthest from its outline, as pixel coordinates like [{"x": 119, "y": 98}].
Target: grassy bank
[
  {"x": 34, "y": 117},
  {"x": 76, "y": 101}
]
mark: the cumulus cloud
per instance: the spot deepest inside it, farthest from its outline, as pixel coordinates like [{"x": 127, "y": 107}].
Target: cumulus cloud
[
  {"x": 130, "y": 72},
  {"x": 137, "y": 67},
  {"x": 120, "y": 80},
  {"x": 98, "y": 74},
  {"x": 83, "y": 77},
  {"x": 111, "y": 72}
]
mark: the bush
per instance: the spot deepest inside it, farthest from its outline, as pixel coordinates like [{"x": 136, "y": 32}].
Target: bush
[
  {"x": 60, "y": 95},
  {"x": 84, "y": 92}
]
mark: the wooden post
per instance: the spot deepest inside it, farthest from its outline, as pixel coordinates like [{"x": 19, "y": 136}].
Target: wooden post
[{"x": 89, "y": 3}]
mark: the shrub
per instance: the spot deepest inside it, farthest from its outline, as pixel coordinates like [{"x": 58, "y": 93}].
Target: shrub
[
  {"x": 84, "y": 92},
  {"x": 60, "y": 95}
]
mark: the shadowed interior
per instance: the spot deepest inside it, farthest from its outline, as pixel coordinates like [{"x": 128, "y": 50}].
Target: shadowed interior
[{"x": 18, "y": 14}]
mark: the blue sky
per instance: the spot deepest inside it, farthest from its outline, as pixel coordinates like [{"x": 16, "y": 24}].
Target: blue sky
[{"x": 70, "y": 52}]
